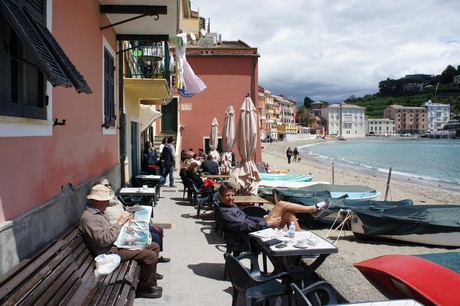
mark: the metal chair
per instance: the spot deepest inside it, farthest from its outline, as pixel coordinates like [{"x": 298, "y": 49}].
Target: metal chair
[
  {"x": 255, "y": 286},
  {"x": 201, "y": 198},
  {"x": 322, "y": 292}
]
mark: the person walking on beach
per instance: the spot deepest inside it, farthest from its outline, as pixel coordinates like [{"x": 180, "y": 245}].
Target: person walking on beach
[
  {"x": 289, "y": 154},
  {"x": 296, "y": 154}
]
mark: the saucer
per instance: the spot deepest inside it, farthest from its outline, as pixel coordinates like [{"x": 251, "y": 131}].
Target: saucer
[{"x": 300, "y": 246}]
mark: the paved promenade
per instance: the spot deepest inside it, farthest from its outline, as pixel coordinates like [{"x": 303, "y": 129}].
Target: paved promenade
[{"x": 194, "y": 276}]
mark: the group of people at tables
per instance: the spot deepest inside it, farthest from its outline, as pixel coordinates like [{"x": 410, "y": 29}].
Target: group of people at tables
[{"x": 104, "y": 216}]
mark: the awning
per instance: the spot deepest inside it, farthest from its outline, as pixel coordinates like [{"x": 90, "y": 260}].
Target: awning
[
  {"x": 148, "y": 116},
  {"x": 147, "y": 89},
  {"x": 154, "y": 20},
  {"x": 51, "y": 60}
]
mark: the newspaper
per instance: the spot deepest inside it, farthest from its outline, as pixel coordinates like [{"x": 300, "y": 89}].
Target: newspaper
[{"x": 134, "y": 234}]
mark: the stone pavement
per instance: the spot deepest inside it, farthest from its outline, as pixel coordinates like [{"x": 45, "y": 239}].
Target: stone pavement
[{"x": 194, "y": 276}]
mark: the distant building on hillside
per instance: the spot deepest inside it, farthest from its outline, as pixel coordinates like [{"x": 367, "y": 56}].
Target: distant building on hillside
[
  {"x": 411, "y": 120},
  {"x": 438, "y": 115},
  {"x": 419, "y": 76},
  {"x": 286, "y": 123},
  {"x": 380, "y": 127},
  {"x": 457, "y": 79},
  {"x": 345, "y": 120}
]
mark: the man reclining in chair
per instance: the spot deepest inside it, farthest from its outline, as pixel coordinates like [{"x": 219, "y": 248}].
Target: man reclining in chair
[{"x": 233, "y": 218}]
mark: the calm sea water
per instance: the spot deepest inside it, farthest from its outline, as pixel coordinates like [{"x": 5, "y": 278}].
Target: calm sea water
[{"x": 435, "y": 160}]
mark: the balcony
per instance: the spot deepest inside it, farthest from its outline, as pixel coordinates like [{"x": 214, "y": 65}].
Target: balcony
[{"x": 147, "y": 77}]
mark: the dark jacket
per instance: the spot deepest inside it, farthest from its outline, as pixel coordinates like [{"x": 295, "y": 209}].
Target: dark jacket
[
  {"x": 210, "y": 167},
  {"x": 233, "y": 218}
]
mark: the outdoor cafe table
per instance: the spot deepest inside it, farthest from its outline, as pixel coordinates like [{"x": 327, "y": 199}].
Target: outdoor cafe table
[
  {"x": 218, "y": 176},
  {"x": 321, "y": 249},
  {"x": 139, "y": 191},
  {"x": 155, "y": 179},
  {"x": 242, "y": 200}
]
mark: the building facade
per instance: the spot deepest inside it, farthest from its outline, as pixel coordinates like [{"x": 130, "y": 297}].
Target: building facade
[
  {"x": 380, "y": 127},
  {"x": 345, "y": 120},
  {"x": 56, "y": 141},
  {"x": 438, "y": 115},
  {"x": 408, "y": 120}
]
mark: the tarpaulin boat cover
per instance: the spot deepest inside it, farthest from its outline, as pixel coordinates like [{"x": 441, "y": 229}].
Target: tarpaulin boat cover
[
  {"x": 450, "y": 260},
  {"x": 411, "y": 219},
  {"x": 285, "y": 177}
]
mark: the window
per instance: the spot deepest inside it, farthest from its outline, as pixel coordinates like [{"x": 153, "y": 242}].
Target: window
[
  {"x": 109, "y": 90},
  {"x": 22, "y": 90},
  {"x": 30, "y": 56}
]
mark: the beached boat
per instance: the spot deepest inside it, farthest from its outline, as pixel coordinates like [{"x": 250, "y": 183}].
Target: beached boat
[
  {"x": 421, "y": 224},
  {"x": 424, "y": 278},
  {"x": 343, "y": 197},
  {"x": 285, "y": 177}
]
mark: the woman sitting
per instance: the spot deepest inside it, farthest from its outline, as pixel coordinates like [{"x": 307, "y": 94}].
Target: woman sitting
[{"x": 192, "y": 173}]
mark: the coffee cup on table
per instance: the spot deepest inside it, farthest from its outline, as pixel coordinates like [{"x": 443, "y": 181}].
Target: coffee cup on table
[
  {"x": 312, "y": 240},
  {"x": 302, "y": 243}
]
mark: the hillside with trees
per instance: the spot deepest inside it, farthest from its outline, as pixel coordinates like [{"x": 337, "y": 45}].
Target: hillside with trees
[{"x": 413, "y": 90}]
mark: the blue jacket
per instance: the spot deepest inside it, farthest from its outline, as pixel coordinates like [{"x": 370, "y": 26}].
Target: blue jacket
[{"x": 233, "y": 218}]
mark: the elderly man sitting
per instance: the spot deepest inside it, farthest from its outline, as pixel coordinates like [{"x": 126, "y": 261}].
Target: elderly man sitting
[{"x": 100, "y": 235}]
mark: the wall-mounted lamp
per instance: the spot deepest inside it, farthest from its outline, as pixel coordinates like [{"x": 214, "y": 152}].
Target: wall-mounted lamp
[{"x": 56, "y": 122}]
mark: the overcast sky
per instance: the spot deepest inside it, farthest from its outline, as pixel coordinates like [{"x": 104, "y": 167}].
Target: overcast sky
[{"x": 329, "y": 50}]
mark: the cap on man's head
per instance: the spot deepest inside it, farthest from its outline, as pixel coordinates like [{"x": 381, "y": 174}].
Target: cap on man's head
[{"x": 99, "y": 193}]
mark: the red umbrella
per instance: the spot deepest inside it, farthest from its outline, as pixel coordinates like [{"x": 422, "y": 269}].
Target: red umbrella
[{"x": 246, "y": 140}]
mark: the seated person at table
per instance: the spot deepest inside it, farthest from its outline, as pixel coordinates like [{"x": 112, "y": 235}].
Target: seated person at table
[
  {"x": 116, "y": 209},
  {"x": 100, "y": 235},
  {"x": 192, "y": 173},
  {"x": 283, "y": 213},
  {"x": 183, "y": 168},
  {"x": 210, "y": 166}
]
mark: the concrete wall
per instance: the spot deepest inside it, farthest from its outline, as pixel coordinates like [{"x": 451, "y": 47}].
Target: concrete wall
[{"x": 21, "y": 238}]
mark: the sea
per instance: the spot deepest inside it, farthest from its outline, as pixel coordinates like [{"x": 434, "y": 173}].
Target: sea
[{"x": 433, "y": 161}]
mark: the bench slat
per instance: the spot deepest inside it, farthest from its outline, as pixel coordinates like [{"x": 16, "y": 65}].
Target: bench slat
[{"x": 63, "y": 274}]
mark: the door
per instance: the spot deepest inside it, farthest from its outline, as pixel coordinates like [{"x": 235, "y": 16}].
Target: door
[
  {"x": 169, "y": 117},
  {"x": 134, "y": 148}
]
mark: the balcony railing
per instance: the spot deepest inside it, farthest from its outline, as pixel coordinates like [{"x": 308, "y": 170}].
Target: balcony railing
[{"x": 149, "y": 61}]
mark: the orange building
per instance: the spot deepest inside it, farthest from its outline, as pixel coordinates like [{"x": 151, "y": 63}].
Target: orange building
[{"x": 230, "y": 71}]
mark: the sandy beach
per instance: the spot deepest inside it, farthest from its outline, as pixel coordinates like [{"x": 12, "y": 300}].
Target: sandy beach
[{"x": 338, "y": 269}]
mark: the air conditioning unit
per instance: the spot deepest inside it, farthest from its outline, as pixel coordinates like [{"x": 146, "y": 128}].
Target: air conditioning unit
[
  {"x": 207, "y": 42},
  {"x": 213, "y": 36}
]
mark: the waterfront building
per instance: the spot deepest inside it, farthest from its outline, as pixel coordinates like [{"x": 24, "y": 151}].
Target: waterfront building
[
  {"x": 56, "y": 141},
  {"x": 438, "y": 115},
  {"x": 408, "y": 120},
  {"x": 344, "y": 120},
  {"x": 286, "y": 123},
  {"x": 380, "y": 127}
]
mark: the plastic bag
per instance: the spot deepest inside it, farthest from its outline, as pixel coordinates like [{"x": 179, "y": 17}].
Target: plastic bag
[{"x": 106, "y": 264}]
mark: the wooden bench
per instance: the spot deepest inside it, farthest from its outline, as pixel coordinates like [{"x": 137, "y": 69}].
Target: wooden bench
[{"x": 63, "y": 274}]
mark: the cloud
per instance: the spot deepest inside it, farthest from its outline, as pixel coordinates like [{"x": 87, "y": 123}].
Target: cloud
[{"x": 331, "y": 49}]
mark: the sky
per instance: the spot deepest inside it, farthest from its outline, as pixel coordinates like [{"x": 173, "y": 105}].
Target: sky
[{"x": 329, "y": 50}]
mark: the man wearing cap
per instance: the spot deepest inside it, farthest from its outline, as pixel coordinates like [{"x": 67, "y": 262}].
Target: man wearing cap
[{"x": 100, "y": 235}]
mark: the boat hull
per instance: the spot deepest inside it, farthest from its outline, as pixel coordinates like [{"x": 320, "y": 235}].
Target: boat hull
[
  {"x": 449, "y": 237},
  {"x": 405, "y": 276}
]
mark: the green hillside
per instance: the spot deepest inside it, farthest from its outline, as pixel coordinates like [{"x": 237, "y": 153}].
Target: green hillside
[{"x": 376, "y": 103}]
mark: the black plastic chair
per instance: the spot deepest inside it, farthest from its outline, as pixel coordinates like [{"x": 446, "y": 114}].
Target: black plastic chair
[
  {"x": 187, "y": 188},
  {"x": 322, "y": 292},
  {"x": 201, "y": 198},
  {"x": 255, "y": 286}
]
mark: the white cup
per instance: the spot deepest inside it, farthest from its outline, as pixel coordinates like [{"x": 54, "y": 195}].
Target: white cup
[
  {"x": 312, "y": 240},
  {"x": 302, "y": 242}
]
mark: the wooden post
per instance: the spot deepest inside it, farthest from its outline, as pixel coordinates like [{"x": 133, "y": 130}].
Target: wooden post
[
  {"x": 388, "y": 184},
  {"x": 332, "y": 173}
]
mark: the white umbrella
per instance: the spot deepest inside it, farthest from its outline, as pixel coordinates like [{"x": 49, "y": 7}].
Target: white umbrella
[
  {"x": 246, "y": 140},
  {"x": 214, "y": 140},
  {"x": 228, "y": 138}
]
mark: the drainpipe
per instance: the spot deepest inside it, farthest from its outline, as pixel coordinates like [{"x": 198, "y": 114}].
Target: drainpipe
[{"x": 122, "y": 115}]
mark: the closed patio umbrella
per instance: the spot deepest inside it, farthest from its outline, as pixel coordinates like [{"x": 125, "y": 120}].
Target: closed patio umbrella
[
  {"x": 214, "y": 140},
  {"x": 228, "y": 138},
  {"x": 246, "y": 139}
]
